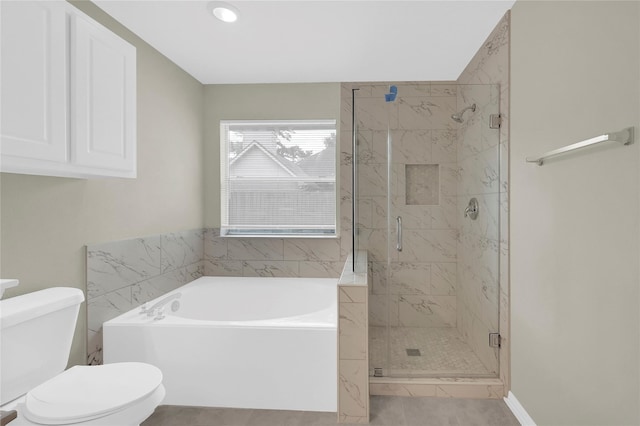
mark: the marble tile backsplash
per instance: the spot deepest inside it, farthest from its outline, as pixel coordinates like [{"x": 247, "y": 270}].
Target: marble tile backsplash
[
  {"x": 124, "y": 274},
  {"x": 272, "y": 257}
]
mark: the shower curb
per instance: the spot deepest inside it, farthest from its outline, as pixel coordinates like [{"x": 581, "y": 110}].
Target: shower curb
[{"x": 441, "y": 388}]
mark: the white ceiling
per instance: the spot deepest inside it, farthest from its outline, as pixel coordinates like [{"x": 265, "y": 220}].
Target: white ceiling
[{"x": 315, "y": 41}]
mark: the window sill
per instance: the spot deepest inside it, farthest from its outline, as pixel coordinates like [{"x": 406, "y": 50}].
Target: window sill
[{"x": 283, "y": 236}]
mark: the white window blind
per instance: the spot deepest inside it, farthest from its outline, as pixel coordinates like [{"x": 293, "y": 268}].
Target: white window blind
[{"x": 278, "y": 178}]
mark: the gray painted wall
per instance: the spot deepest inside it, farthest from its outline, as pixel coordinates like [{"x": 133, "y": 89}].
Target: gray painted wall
[
  {"x": 46, "y": 222},
  {"x": 575, "y": 227}
]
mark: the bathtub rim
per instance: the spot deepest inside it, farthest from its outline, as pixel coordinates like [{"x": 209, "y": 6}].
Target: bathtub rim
[{"x": 133, "y": 317}]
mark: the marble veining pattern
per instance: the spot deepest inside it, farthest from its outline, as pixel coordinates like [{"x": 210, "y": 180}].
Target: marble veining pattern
[
  {"x": 383, "y": 310},
  {"x": 427, "y": 311},
  {"x": 426, "y": 113},
  {"x": 223, "y": 268},
  {"x": 353, "y": 346},
  {"x": 320, "y": 269},
  {"x": 99, "y": 310},
  {"x": 274, "y": 268},
  {"x": 444, "y": 146},
  {"x": 150, "y": 289},
  {"x": 275, "y": 257},
  {"x": 348, "y": 294},
  {"x": 483, "y": 281},
  {"x": 312, "y": 249},
  {"x": 353, "y": 389},
  {"x": 443, "y": 279},
  {"x": 352, "y": 331},
  {"x": 429, "y": 245},
  {"x": 124, "y": 274},
  {"x": 180, "y": 249},
  {"x": 111, "y": 266},
  {"x": 415, "y": 217},
  {"x": 255, "y": 248},
  {"x": 445, "y": 215},
  {"x": 408, "y": 146},
  {"x": 410, "y": 278}
]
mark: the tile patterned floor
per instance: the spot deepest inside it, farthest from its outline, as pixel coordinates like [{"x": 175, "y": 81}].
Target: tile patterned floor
[
  {"x": 443, "y": 352},
  {"x": 385, "y": 411}
]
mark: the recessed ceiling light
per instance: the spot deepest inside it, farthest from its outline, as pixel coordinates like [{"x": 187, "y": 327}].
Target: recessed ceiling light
[{"x": 223, "y": 11}]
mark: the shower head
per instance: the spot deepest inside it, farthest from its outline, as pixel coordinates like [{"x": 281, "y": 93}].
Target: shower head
[{"x": 458, "y": 115}]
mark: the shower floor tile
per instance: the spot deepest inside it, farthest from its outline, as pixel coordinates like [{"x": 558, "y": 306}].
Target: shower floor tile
[{"x": 443, "y": 352}]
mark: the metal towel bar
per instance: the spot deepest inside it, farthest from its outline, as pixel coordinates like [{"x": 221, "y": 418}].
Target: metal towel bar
[{"x": 625, "y": 137}]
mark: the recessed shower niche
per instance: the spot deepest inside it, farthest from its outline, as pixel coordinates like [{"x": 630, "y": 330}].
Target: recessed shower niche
[
  {"x": 420, "y": 156},
  {"x": 422, "y": 184}
]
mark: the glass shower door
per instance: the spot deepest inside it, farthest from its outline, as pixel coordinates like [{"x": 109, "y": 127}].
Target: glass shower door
[{"x": 423, "y": 158}]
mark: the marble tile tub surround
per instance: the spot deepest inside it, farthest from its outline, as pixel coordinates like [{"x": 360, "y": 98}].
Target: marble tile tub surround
[
  {"x": 274, "y": 257},
  {"x": 124, "y": 274},
  {"x": 353, "y": 343}
]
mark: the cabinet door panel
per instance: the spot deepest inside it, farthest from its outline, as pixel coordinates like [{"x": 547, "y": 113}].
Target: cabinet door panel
[
  {"x": 103, "y": 94},
  {"x": 34, "y": 82}
]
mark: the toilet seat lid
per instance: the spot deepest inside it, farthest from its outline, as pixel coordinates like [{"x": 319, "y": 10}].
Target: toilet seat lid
[{"x": 86, "y": 392}]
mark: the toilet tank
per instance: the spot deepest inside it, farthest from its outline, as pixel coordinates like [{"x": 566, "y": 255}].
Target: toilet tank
[{"x": 36, "y": 331}]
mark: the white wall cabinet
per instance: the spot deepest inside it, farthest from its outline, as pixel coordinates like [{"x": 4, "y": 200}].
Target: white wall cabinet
[{"x": 68, "y": 94}]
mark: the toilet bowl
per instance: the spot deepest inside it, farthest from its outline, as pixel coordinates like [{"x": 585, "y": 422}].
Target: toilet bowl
[{"x": 36, "y": 334}]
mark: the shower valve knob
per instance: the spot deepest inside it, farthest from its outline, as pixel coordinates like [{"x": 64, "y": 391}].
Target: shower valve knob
[{"x": 472, "y": 209}]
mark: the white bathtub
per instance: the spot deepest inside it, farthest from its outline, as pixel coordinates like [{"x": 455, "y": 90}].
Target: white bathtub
[{"x": 239, "y": 342}]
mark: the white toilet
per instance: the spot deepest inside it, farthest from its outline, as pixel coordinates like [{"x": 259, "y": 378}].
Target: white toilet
[{"x": 36, "y": 331}]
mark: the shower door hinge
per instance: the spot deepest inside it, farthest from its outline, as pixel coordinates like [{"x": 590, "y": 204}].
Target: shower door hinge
[
  {"x": 377, "y": 372},
  {"x": 495, "y": 340},
  {"x": 495, "y": 121}
]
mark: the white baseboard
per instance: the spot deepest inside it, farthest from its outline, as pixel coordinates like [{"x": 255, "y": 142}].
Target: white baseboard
[{"x": 518, "y": 410}]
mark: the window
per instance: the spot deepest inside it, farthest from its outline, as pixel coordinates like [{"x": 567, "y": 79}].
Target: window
[{"x": 278, "y": 178}]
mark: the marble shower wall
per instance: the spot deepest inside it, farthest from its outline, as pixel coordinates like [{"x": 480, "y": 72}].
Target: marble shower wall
[
  {"x": 122, "y": 275},
  {"x": 478, "y": 240},
  {"x": 424, "y": 184},
  {"x": 483, "y": 245}
]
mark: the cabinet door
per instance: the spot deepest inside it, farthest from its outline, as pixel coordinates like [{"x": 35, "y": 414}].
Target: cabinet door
[
  {"x": 33, "y": 81},
  {"x": 103, "y": 93}
]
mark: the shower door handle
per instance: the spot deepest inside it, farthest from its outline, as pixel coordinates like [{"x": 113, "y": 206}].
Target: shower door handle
[{"x": 399, "y": 226}]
